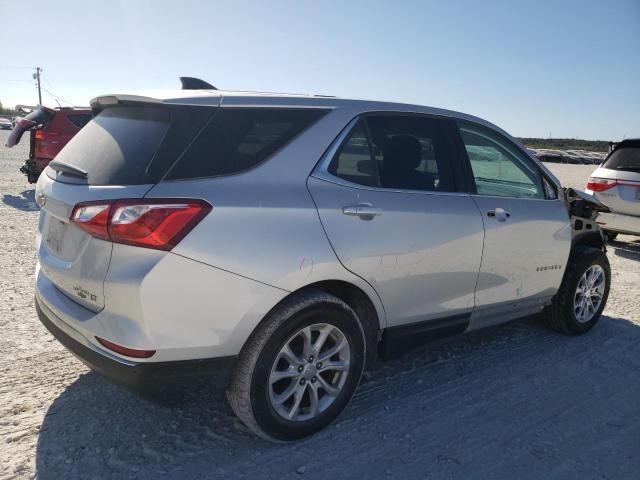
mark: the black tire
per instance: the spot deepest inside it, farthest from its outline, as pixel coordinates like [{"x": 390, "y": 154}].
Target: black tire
[
  {"x": 248, "y": 391},
  {"x": 610, "y": 236},
  {"x": 560, "y": 315}
]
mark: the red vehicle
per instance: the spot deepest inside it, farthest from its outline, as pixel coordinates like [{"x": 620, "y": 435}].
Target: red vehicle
[{"x": 51, "y": 129}]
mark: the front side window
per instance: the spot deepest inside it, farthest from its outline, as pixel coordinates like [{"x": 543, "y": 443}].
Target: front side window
[
  {"x": 499, "y": 169},
  {"x": 400, "y": 152}
]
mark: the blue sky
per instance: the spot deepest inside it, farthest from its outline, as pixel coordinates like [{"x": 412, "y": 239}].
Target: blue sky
[{"x": 536, "y": 68}]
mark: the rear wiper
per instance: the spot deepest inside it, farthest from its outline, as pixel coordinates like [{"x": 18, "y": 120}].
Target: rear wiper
[{"x": 68, "y": 169}]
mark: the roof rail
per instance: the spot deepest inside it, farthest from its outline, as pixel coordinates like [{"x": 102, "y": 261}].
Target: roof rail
[{"x": 192, "y": 83}]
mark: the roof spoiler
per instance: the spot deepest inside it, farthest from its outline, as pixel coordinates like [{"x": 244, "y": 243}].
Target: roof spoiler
[
  {"x": 106, "y": 101},
  {"x": 192, "y": 83}
]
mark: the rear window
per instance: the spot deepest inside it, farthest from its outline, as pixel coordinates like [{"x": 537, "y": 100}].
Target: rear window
[
  {"x": 80, "y": 120},
  {"x": 624, "y": 158},
  {"x": 117, "y": 145},
  {"x": 237, "y": 139}
]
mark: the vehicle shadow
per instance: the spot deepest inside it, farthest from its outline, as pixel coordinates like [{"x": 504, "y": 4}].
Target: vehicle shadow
[
  {"x": 25, "y": 201},
  {"x": 629, "y": 250},
  {"x": 513, "y": 401}
]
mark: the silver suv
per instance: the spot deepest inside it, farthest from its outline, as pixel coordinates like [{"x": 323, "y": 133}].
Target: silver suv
[{"x": 291, "y": 241}]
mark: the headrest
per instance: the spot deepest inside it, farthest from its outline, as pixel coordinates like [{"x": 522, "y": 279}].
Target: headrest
[{"x": 403, "y": 152}]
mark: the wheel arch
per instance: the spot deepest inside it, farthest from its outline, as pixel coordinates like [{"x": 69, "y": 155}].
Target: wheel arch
[
  {"x": 362, "y": 304},
  {"x": 369, "y": 311},
  {"x": 590, "y": 239}
]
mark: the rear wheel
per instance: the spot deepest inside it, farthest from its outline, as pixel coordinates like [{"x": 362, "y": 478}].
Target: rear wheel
[
  {"x": 300, "y": 368},
  {"x": 583, "y": 295}
]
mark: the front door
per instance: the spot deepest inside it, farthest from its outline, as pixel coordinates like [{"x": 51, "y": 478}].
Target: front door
[{"x": 527, "y": 226}]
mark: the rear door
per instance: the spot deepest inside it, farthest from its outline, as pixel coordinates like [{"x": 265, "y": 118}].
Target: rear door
[
  {"x": 392, "y": 207},
  {"x": 527, "y": 227},
  {"x": 110, "y": 158},
  {"x": 36, "y": 118}
]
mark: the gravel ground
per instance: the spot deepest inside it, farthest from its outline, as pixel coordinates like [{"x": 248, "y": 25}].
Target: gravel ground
[{"x": 512, "y": 401}]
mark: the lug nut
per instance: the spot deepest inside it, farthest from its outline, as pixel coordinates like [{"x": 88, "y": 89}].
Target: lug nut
[
  {"x": 302, "y": 381},
  {"x": 313, "y": 379},
  {"x": 300, "y": 369},
  {"x": 319, "y": 365},
  {"x": 311, "y": 359}
]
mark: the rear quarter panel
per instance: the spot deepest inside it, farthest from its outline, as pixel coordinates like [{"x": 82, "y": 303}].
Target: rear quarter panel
[{"x": 264, "y": 224}]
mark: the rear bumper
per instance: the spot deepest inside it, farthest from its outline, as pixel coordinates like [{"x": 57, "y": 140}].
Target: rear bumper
[
  {"x": 137, "y": 376},
  {"x": 618, "y": 222}
]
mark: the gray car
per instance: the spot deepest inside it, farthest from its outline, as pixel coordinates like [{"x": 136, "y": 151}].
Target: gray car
[
  {"x": 6, "y": 124},
  {"x": 291, "y": 241}
]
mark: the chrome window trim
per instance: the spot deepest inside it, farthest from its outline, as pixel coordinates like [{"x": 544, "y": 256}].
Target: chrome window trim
[
  {"x": 498, "y": 197},
  {"x": 321, "y": 171}
]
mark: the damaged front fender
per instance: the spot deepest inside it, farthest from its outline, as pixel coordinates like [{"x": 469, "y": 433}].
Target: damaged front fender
[{"x": 583, "y": 210}]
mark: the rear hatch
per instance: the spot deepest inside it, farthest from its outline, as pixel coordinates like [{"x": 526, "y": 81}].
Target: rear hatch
[
  {"x": 38, "y": 117},
  {"x": 120, "y": 154},
  {"x": 619, "y": 187}
]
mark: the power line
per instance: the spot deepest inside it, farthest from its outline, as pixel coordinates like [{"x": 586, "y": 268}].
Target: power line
[
  {"x": 57, "y": 97},
  {"x": 53, "y": 94}
]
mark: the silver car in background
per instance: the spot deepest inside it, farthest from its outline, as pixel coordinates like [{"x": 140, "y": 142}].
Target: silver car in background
[
  {"x": 6, "y": 124},
  {"x": 616, "y": 183},
  {"x": 292, "y": 240}
]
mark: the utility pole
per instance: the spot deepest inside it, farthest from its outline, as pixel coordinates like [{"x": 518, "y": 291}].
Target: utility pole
[{"x": 36, "y": 77}]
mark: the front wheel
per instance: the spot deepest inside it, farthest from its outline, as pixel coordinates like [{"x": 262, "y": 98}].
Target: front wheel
[
  {"x": 300, "y": 368},
  {"x": 583, "y": 294}
]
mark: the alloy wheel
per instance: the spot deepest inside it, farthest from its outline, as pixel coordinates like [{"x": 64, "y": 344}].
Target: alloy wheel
[
  {"x": 589, "y": 293},
  {"x": 309, "y": 372}
]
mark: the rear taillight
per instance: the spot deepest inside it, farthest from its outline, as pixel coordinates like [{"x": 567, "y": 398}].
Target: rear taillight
[
  {"x": 129, "y": 352},
  {"x": 41, "y": 134},
  {"x": 151, "y": 223},
  {"x": 600, "y": 184}
]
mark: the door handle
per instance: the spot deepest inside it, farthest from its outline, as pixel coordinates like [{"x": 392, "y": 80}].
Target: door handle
[
  {"x": 365, "y": 211},
  {"x": 499, "y": 214}
]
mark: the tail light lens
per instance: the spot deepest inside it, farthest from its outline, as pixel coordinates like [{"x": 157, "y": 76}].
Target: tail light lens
[
  {"x": 92, "y": 218},
  {"x": 150, "y": 223},
  {"x": 41, "y": 134},
  {"x": 600, "y": 184},
  {"x": 129, "y": 352}
]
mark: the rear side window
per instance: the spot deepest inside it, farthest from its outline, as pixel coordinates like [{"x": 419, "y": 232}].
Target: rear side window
[
  {"x": 117, "y": 145},
  {"x": 624, "y": 158},
  {"x": 237, "y": 139},
  {"x": 354, "y": 161},
  {"x": 406, "y": 152}
]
